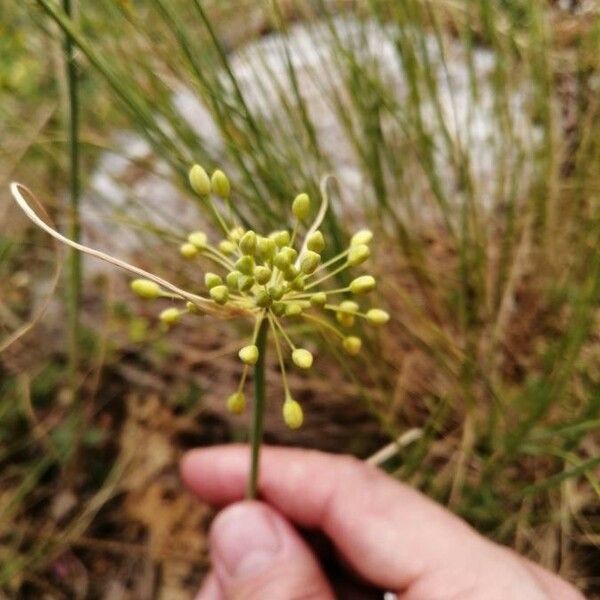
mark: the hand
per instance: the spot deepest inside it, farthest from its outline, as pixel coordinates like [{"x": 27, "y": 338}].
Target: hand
[{"x": 389, "y": 534}]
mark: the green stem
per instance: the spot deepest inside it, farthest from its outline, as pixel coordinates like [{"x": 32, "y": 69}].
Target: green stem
[
  {"x": 258, "y": 409},
  {"x": 73, "y": 291}
]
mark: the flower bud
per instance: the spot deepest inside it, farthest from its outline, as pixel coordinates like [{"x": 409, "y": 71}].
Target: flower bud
[
  {"x": 232, "y": 280},
  {"x": 282, "y": 260},
  {"x": 170, "y": 316},
  {"x": 220, "y": 184},
  {"x": 276, "y": 291},
  {"x": 345, "y": 319},
  {"x": 245, "y": 283},
  {"x": 319, "y": 299},
  {"x": 145, "y": 288},
  {"x": 298, "y": 284},
  {"x": 376, "y": 316},
  {"x": 199, "y": 180},
  {"x": 358, "y": 254},
  {"x": 302, "y": 358},
  {"x": 309, "y": 262},
  {"x": 293, "y": 309},
  {"x": 292, "y": 413},
  {"x": 198, "y": 239},
  {"x": 192, "y": 308},
  {"x": 249, "y": 354},
  {"x": 281, "y": 238},
  {"x": 364, "y": 236},
  {"x": 265, "y": 248},
  {"x": 245, "y": 265},
  {"x": 262, "y": 299},
  {"x": 316, "y": 242},
  {"x": 212, "y": 279},
  {"x": 362, "y": 284},
  {"x": 262, "y": 275},
  {"x": 290, "y": 252},
  {"x": 349, "y": 306},
  {"x": 220, "y": 294},
  {"x": 227, "y": 247},
  {"x": 291, "y": 273},
  {"x": 278, "y": 308},
  {"x": 248, "y": 243},
  {"x": 301, "y": 206},
  {"x": 236, "y": 233},
  {"x": 236, "y": 403},
  {"x": 352, "y": 345},
  {"x": 344, "y": 315},
  {"x": 188, "y": 250}
]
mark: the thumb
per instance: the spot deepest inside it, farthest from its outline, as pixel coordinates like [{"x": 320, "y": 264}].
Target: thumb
[{"x": 257, "y": 554}]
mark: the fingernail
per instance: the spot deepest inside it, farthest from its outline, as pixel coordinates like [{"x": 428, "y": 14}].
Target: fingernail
[{"x": 244, "y": 539}]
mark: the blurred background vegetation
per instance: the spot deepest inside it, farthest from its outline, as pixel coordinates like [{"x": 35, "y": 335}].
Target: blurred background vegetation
[{"x": 465, "y": 133}]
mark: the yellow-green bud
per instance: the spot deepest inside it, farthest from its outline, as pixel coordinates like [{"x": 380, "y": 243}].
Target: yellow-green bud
[
  {"x": 198, "y": 239},
  {"x": 188, "y": 250},
  {"x": 349, "y": 306},
  {"x": 170, "y": 316},
  {"x": 265, "y": 248},
  {"x": 292, "y": 413},
  {"x": 236, "y": 233},
  {"x": 249, "y": 354},
  {"x": 232, "y": 280},
  {"x": 282, "y": 260},
  {"x": 358, "y": 254},
  {"x": 193, "y": 309},
  {"x": 236, "y": 403},
  {"x": 245, "y": 283},
  {"x": 212, "y": 279},
  {"x": 316, "y": 242},
  {"x": 298, "y": 284},
  {"x": 290, "y": 252},
  {"x": 276, "y": 291},
  {"x": 278, "y": 308},
  {"x": 262, "y": 274},
  {"x": 318, "y": 299},
  {"x": 199, "y": 180},
  {"x": 291, "y": 273},
  {"x": 248, "y": 243},
  {"x": 262, "y": 299},
  {"x": 226, "y": 247},
  {"x": 301, "y": 206},
  {"x": 220, "y": 184},
  {"x": 309, "y": 262},
  {"x": 145, "y": 288},
  {"x": 364, "y": 236},
  {"x": 220, "y": 294},
  {"x": 245, "y": 265},
  {"x": 376, "y": 316},
  {"x": 362, "y": 284},
  {"x": 352, "y": 345},
  {"x": 302, "y": 358},
  {"x": 293, "y": 309},
  {"x": 345, "y": 314},
  {"x": 281, "y": 238}
]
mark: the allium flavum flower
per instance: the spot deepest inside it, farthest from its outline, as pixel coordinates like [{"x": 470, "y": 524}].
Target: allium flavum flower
[{"x": 277, "y": 278}]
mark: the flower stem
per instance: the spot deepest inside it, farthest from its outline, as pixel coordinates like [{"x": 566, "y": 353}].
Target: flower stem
[
  {"x": 73, "y": 288},
  {"x": 258, "y": 409}
]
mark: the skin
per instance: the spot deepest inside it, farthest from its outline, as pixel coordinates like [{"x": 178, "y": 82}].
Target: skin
[{"x": 392, "y": 536}]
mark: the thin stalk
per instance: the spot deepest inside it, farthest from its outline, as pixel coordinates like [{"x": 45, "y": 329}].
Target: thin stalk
[
  {"x": 328, "y": 276},
  {"x": 279, "y": 357},
  {"x": 258, "y": 410},
  {"x": 73, "y": 290}
]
